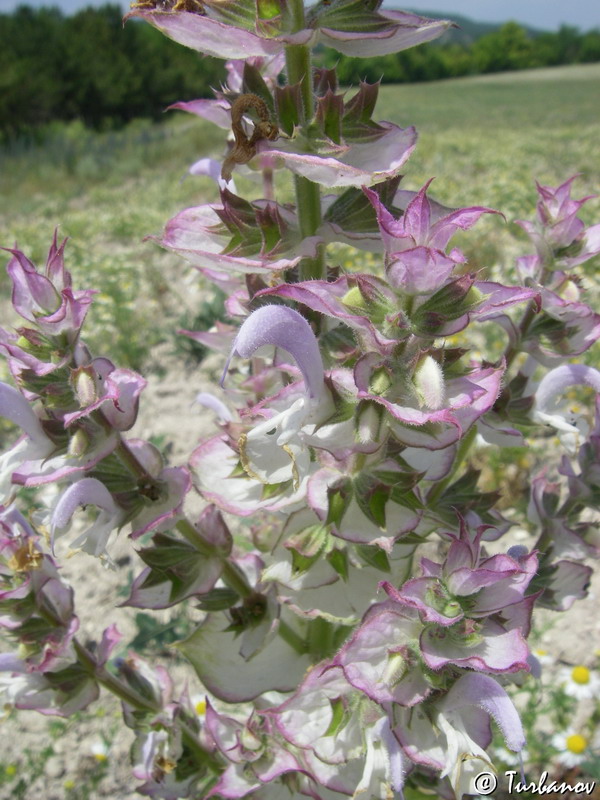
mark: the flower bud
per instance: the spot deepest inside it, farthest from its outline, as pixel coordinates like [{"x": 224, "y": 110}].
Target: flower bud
[
  {"x": 79, "y": 443},
  {"x": 83, "y": 381},
  {"x": 429, "y": 383}
]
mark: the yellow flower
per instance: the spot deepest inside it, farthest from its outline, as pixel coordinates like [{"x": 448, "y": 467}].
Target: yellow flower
[
  {"x": 580, "y": 674},
  {"x": 581, "y": 683},
  {"x": 572, "y": 748},
  {"x": 576, "y": 743}
]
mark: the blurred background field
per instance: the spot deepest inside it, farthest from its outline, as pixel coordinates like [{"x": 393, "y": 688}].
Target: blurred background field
[{"x": 485, "y": 138}]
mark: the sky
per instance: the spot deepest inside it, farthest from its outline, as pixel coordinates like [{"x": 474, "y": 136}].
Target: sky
[{"x": 543, "y": 14}]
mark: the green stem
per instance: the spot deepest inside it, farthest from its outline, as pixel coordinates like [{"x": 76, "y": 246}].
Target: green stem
[
  {"x": 289, "y": 635},
  {"x": 232, "y": 575},
  {"x": 236, "y": 580},
  {"x": 528, "y": 316},
  {"x": 140, "y": 703},
  {"x": 308, "y": 194},
  {"x": 462, "y": 452}
]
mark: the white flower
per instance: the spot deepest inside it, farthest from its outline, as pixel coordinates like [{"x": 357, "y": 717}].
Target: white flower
[
  {"x": 198, "y": 702},
  {"x": 580, "y": 683},
  {"x": 543, "y": 656},
  {"x": 567, "y": 418},
  {"x": 465, "y": 759},
  {"x": 573, "y": 748},
  {"x": 99, "y": 750}
]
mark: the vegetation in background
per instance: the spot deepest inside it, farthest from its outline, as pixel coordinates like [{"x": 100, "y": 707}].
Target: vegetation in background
[
  {"x": 510, "y": 47},
  {"x": 89, "y": 67}
]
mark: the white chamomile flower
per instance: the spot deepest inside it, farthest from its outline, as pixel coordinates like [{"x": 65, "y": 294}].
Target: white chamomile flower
[
  {"x": 543, "y": 656},
  {"x": 199, "y": 704},
  {"x": 573, "y": 748},
  {"x": 99, "y": 750},
  {"x": 579, "y": 682}
]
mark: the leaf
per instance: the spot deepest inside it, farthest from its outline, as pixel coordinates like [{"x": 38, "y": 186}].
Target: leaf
[
  {"x": 374, "y": 556},
  {"x": 339, "y": 497},
  {"x": 339, "y": 561},
  {"x": 288, "y": 102},
  {"x": 254, "y": 83},
  {"x": 338, "y": 719},
  {"x": 329, "y": 116},
  {"x": 218, "y": 600},
  {"x": 349, "y": 15},
  {"x": 352, "y": 211},
  {"x": 371, "y": 496}
]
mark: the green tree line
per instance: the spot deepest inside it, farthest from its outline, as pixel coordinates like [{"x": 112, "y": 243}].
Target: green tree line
[
  {"x": 508, "y": 48},
  {"x": 88, "y": 66},
  {"x": 91, "y": 67}
]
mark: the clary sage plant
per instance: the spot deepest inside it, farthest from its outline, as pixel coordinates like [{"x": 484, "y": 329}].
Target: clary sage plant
[{"x": 359, "y": 630}]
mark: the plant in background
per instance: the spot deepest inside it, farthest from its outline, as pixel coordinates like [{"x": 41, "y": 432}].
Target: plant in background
[{"x": 338, "y": 655}]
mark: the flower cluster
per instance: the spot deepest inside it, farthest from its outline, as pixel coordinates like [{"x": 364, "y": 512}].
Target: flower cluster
[{"x": 347, "y": 418}]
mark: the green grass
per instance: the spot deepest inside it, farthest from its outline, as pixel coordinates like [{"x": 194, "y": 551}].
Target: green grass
[{"x": 485, "y": 139}]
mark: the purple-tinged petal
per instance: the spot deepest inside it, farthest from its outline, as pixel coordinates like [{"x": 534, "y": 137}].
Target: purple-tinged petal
[
  {"x": 111, "y": 637},
  {"x": 284, "y": 328},
  {"x": 217, "y": 111},
  {"x": 431, "y": 600},
  {"x": 33, "y": 295},
  {"x": 485, "y": 693},
  {"x": 87, "y": 491},
  {"x": 462, "y": 218},
  {"x": 162, "y": 514},
  {"x": 328, "y": 298},
  {"x": 235, "y": 782},
  {"x": 41, "y": 470},
  {"x": 195, "y": 234},
  {"x": 306, "y": 716},
  {"x": 518, "y": 615},
  {"x": 377, "y": 658},
  {"x": 214, "y": 530},
  {"x": 210, "y": 36},
  {"x": 122, "y": 412},
  {"x": 212, "y": 169},
  {"x": 213, "y": 463},
  {"x": 405, "y": 30},
  {"x": 494, "y": 649},
  {"x": 497, "y": 296},
  {"x": 569, "y": 582},
  {"x": 419, "y": 270},
  {"x": 361, "y": 164}
]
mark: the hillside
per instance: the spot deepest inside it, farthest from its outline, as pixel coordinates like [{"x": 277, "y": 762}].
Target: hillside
[{"x": 469, "y": 30}]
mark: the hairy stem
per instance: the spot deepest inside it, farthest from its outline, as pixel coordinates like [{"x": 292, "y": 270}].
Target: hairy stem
[
  {"x": 140, "y": 703},
  {"x": 308, "y": 194}
]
